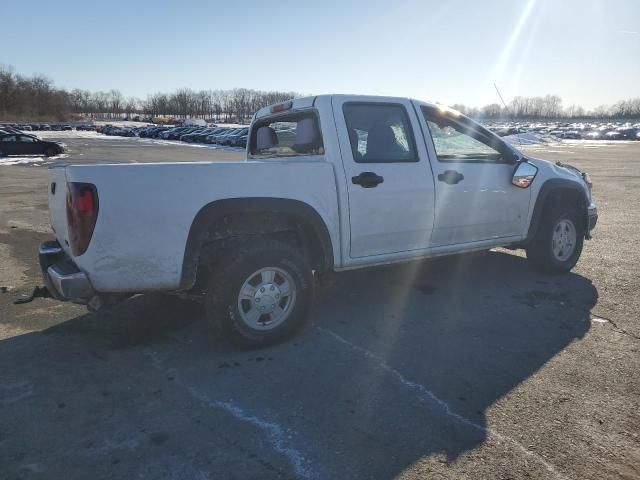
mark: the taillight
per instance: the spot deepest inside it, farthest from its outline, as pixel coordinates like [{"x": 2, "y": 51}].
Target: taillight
[{"x": 82, "y": 213}]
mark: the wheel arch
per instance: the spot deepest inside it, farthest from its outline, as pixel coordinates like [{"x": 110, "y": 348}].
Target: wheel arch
[
  {"x": 554, "y": 190},
  {"x": 224, "y": 219}
]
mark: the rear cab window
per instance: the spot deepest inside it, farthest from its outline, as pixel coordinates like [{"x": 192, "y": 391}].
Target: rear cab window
[{"x": 287, "y": 135}]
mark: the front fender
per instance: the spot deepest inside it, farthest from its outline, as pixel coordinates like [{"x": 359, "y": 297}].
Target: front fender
[{"x": 549, "y": 187}]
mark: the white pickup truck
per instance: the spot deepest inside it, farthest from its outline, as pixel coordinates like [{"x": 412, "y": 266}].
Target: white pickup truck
[{"x": 330, "y": 183}]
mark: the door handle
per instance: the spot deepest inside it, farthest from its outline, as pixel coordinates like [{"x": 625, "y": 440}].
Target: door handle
[
  {"x": 450, "y": 177},
  {"x": 367, "y": 180}
]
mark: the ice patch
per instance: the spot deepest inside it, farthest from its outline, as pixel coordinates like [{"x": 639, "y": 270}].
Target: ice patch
[
  {"x": 276, "y": 434},
  {"x": 15, "y": 392}
]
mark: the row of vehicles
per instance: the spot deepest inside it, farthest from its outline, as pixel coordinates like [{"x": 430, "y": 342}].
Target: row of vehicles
[
  {"x": 577, "y": 131},
  {"x": 227, "y": 136},
  {"x": 32, "y": 127}
]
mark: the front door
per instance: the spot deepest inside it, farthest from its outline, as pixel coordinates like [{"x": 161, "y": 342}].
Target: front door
[
  {"x": 389, "y": 182},
  {"x": 29, "y": 145},
  {"x": 472, "y": 170}
]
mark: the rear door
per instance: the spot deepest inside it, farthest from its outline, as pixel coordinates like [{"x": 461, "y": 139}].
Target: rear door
[
  {"x": 8, "y": 145},
  {"x": 475, "y": 198},
  {"x": 389, "y": 183}
]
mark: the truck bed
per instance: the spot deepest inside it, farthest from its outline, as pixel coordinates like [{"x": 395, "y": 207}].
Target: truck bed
[{"x": 146, "y": 211}]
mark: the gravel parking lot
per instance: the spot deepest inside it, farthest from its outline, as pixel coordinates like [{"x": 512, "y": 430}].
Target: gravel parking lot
[{"x": 459, "y": 368}]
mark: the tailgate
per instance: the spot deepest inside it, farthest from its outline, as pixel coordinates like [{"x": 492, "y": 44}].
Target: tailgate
[{"x": 58, "y": 205}]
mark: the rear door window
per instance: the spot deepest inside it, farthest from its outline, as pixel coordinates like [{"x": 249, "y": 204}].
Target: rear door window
[
  {"x": 287, "y": 135},
  {"x": 379, "y": 133}
]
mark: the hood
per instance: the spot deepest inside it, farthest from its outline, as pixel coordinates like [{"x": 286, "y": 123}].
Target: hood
[
  {"x": 563, "y": 170},
  {"x": 559, "y": 168}
]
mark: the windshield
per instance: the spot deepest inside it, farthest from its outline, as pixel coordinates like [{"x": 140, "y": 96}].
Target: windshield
[{"x": 456, "y": 137}]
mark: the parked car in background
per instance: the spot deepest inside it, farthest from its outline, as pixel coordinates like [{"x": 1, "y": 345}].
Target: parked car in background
[
  {"x": 231, "y": 137},
  {"x": 189, "y": 136},
  {"x": 9, "y": 129},
  {"x": 219, "y": 137},
  {"x": 210, "y": 139},
  {"x": 198, "y": 135},
  {"x": 240, "y": 141},
  {"x": 22, "y": 144},
  {"x": 167, "y": 134}
]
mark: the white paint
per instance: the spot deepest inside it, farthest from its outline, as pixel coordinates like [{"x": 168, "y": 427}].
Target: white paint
[
  {"x": 276, "y": 434},
  {"x": 599, "y": 320},
  {"x": 428, "y": 396}
]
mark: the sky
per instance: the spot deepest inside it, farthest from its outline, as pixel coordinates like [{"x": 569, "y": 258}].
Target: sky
[{"x": 588, "y": 51}]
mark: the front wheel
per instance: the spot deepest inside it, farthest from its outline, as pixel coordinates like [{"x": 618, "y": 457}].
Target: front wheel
[
  {"x": 557, "y": 245},
  {"x": 261, "y": 294}
]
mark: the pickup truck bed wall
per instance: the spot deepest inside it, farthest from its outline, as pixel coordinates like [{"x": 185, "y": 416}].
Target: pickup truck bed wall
[{"x": 139, "y": 240}]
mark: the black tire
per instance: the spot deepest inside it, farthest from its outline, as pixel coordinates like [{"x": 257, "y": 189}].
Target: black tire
[
  {"x": 50, "y": 152},
  {"x": 230, "y": 274},
  {"x": 540, "y": 252},
  {"x": 1, "y": 153}
]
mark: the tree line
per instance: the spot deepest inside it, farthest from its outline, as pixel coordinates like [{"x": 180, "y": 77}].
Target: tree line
[
  {"x": 549, "y": 107},
  {"x": 36, "y": 98}
]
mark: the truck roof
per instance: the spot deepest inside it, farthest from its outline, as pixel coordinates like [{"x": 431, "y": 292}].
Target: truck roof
[{"x": 306, "y": 102}]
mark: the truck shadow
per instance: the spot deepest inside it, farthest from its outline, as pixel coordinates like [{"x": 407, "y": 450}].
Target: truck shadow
[
  {"x": 399, "y": 363},
  {"x": 458, "y": 334}
]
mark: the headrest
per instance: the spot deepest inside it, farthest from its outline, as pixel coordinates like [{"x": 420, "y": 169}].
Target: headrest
[
  {"x": 306, "y": 131},
  {"x": 382, "y": 141},
  {"x": 266, "y": 138}
]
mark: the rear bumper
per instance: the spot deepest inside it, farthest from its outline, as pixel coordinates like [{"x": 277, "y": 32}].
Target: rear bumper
[{"x": 61, "y": 276}]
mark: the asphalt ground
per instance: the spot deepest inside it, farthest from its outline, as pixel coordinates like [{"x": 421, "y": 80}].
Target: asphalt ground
[{"x": 470, "y": 367}]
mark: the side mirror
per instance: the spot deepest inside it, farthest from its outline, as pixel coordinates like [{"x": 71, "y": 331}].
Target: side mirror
[{"x": 524, "y": 174}]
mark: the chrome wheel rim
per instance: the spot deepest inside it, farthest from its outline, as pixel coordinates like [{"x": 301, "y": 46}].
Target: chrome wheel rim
[
  {"x": 266, "y": 298},
  {"x": 563, "y": 241}
]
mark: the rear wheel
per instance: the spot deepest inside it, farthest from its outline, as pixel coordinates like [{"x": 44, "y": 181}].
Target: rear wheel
[
  {"x": 50, "y": 152},
  {"x": 261, "y": 294},
  {"x": 557, "y": 245},
  {"x": 2, "y": 154}
]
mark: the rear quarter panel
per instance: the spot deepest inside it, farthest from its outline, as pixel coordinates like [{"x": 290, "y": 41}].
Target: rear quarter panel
[{"x": 146, "y": 211}]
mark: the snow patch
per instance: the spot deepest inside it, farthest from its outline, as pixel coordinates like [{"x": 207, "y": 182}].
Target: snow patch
[{"x": 31, "y": 161}]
